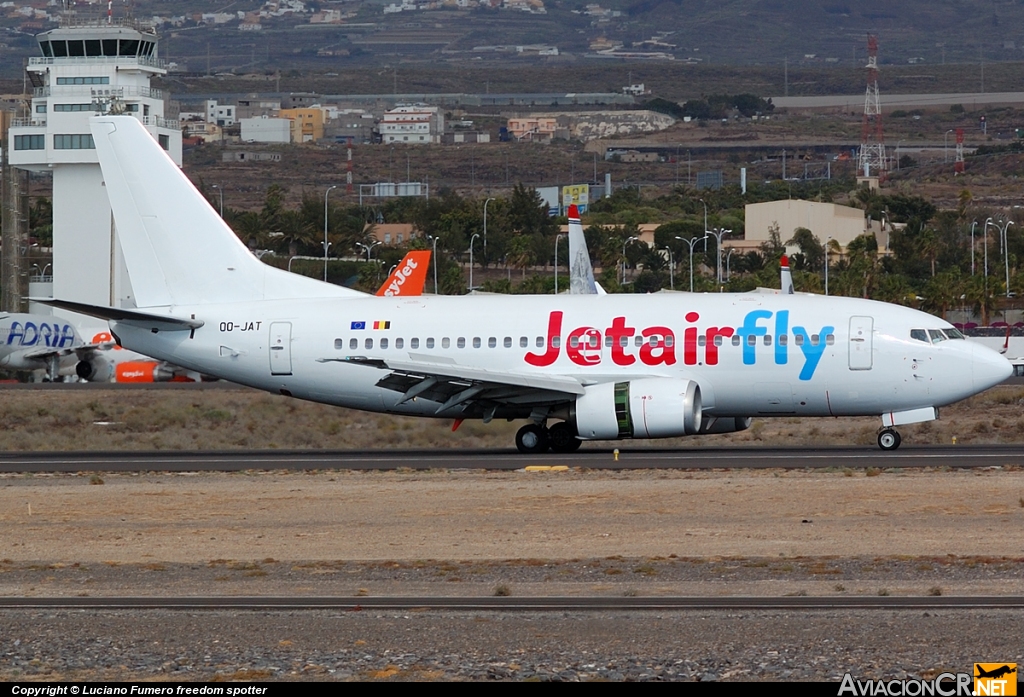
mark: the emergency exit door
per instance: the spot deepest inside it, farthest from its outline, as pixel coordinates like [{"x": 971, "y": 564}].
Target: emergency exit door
[{"x": 861, "y": 329}]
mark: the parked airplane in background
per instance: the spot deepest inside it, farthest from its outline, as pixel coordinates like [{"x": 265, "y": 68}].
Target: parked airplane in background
[
  {"x": 603, "y": 367},
  {"x": 43, "y": 342},
  {"x": 408, "y": 277}
]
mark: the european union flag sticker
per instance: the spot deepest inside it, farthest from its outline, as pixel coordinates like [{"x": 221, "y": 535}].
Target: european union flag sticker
[{"x": 359, "y": 325}]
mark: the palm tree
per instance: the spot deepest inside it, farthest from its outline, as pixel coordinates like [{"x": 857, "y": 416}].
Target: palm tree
[
  {"x": 941, "y": 293},
  {"x": 930, "y": 246},
  {"x": 295, "y": 231},
  {"x": 521, "y": 252},
  {"x": 981, "y": 296}
]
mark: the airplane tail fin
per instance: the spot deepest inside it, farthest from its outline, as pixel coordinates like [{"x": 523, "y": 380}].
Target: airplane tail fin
[
  {"x": 408, "y": 277},
  {"x": 177, "y": 249},
  {"x": 581, "y": 273},
  {"x": 787, "y": 277}
]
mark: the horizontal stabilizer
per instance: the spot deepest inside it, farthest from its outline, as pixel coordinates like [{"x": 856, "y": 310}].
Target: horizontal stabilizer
[{"x": 133, "y": 317}]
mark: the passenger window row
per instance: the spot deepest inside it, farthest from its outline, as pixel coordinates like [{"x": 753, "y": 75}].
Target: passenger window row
[{"x": 587, "y": 341}]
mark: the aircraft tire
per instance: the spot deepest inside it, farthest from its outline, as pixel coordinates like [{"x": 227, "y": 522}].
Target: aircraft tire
[
  {"x": 563, "y": 438},
  {"x": 532, "y": 439},
  {"x": 889, "y": 439}
]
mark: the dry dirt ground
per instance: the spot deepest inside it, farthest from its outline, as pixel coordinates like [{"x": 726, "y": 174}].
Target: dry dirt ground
[
  {"x": 942, "y": 531},
  {"x": 458, "y": 532},
  {"x": 277, "y": 532}
]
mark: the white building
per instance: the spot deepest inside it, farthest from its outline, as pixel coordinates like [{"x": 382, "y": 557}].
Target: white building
[
  {"x": 264, "y": 129},
  {"x": 416, "y": 124},
  {"x": 218, "y": 114},
  {"x": 86, "y": 70}
]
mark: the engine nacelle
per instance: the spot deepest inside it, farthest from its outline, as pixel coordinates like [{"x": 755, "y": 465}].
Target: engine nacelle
[
  {"x": 725, "y": 424},
  {"x": 647, "y": 408},
  {"x": 93, "y": 369},
  {"x": 142, "y": 371}
]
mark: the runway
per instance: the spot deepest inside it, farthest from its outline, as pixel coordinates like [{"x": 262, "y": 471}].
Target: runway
[
  {"x": 531, "y": 604},
  {"x": 509, "y": 459}
]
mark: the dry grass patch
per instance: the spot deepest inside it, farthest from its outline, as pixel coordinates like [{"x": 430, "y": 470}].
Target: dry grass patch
[{"x": 230, "y": 418}]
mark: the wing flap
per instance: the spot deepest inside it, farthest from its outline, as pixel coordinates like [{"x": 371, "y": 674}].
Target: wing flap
[{"x": 449, "y": 372}]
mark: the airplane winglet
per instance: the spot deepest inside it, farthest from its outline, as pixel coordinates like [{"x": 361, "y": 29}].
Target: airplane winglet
[
  {"x": 787, "y": 277},
  {"x": 581, "y": 272}
]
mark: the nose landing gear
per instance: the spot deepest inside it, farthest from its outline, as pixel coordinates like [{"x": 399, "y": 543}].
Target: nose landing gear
[{"x": 889, "y": 439}]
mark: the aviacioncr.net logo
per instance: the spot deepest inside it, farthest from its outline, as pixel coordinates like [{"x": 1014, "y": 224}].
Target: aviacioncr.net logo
[{"x": 944, "y": 685}]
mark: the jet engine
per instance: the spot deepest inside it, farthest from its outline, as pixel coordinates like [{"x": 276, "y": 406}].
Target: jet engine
[
  {"x": 143, "y": 371},
  {"x": 647, "y": 408},
  {"x": 95, "y": 368}
]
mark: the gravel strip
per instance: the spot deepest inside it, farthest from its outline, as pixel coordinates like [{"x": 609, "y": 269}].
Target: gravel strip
[{"x": 318, "y": 645}]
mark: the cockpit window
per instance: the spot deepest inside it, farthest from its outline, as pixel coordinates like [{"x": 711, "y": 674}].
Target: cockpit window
[
  {"x": 919, "y": 335},
  {"x": 936, "y": 335},
  {"x": 954, "y": 334}
]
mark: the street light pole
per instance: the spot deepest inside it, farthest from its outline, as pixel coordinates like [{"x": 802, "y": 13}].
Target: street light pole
[
  {"x": 728, "y": 273},
  {"x": 220, "y": 191},
  {"x": 434, "y": 258},
  {"x": 471, "y": 240},
  {"x": 718, "y": 233},
  {"x": 829, "y": 239},
  {"x": 974, "y": 224},
  {"x": 485, "y": 228},
  {"x": 692, "y": 241},
  {"x": 557, "y": 237},
  {"x": 705, "y": 223},
  {"x": 987, "y": 223},
  {"x": 326, "y": 193},
  {"x": 631, "y": 239},
  {"x": 1006, "y": 254},
  {"x": 367, "y": 248}
]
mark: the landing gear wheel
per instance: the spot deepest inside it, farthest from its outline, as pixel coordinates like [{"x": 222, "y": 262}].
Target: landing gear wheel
[
  {"x": 563, "y": 438},
  {"x": 889, "y": 439},
  {"x": 532, "y": 439}
]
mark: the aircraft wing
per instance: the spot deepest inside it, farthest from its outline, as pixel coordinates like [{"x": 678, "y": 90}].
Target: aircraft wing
[
  {"x": 456, "y": 386},
  {"x": 82, "y": 351}
]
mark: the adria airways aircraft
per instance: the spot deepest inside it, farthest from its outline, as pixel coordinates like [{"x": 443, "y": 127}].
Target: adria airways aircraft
[{"x": 577, "y": 367}]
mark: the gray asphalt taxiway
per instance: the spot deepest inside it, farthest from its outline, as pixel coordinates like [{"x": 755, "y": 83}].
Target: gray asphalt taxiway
[{"x": 606, "y": 458}]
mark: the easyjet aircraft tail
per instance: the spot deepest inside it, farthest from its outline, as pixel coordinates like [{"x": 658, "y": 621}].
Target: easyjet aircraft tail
[
  {"x": 408, "y": 277},
  {"x": 177, "y": 249}
]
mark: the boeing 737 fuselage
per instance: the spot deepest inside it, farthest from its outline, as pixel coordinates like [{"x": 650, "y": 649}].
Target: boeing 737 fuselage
[{"x": 603, "y": 367}]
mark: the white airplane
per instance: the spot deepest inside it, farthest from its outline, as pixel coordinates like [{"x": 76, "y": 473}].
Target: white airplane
[
  {"x": 31, "y": 342},
  {"x": 604, "y": 367}
]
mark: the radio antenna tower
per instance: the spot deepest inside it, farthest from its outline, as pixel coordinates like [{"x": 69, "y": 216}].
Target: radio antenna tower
[{"x": 871, "y": 160}]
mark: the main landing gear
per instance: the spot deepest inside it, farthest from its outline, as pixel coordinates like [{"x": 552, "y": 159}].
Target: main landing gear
[
  {"x": 534, "y": 439},
  {"x": 889, "y": 439}
]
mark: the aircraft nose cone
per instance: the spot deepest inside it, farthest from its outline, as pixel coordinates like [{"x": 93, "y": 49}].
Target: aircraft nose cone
[{"x": 989, "y": 368}]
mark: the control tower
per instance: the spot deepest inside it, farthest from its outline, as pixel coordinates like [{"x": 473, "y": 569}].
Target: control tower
[{"x": 87, "y": 68}]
